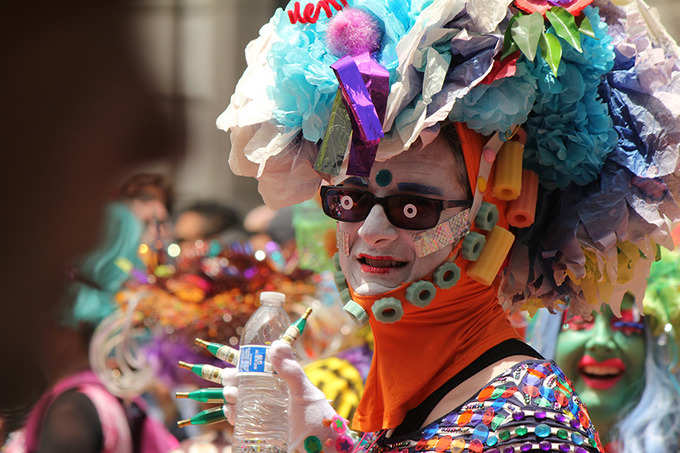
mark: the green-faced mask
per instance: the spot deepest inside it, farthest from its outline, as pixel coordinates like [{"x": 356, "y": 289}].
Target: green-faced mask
[{"x": 605, "y": 360}]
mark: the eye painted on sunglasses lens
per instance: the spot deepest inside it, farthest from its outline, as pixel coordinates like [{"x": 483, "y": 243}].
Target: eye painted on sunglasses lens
[
  {"x": 410, "y": 210},
  {"x": 346, "y": 202}
]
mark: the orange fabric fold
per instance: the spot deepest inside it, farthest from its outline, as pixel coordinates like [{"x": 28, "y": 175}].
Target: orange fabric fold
[{"x": 427, "y": 346}]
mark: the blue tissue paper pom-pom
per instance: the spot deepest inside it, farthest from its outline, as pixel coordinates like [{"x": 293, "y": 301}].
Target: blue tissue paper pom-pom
[
  {"x": 304, "y": 83},
  {"x": 499, "y": 105},
  {"x": 569, "y": 131}
]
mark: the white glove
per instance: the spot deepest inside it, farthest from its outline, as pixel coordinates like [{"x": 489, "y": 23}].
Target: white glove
[
  {"x": 309, "y": 413},
  {"x": 230, "y": 392},
  {"x": 312, "y": 423}
]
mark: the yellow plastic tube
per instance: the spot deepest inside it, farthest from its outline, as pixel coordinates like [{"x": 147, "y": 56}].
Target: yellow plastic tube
[
  {"x": 498, "y": 244},
  {"x": 521, "y": 212},
  {"x": 507, "y": 183}
]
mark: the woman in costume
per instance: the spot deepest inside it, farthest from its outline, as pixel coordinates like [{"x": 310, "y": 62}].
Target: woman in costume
[
  {"x": 407, "y": 115},
  {"x": 625, "y": 367}
]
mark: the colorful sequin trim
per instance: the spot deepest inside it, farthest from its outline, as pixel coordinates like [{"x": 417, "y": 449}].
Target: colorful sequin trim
[{"x": 530, "y": 408}]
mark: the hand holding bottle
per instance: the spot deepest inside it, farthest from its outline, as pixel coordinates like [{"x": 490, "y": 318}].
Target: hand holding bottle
[
  {"x": 271, "y": 412},
  {"x": 310, "y": 417},
  {"x": 313, "y": 424}
]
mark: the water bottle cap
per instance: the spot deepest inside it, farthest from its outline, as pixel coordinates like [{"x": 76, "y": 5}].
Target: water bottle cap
[{"x": 272, "y": 298}]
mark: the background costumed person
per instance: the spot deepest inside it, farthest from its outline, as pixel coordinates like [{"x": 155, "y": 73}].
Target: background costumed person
[
  {"x": 625, "y": 368},
  {"x": 408, "y": 114},
  {"x": 79, "y": 413}
]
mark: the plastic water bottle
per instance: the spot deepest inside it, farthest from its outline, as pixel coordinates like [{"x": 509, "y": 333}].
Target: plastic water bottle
[{"x": 262, "y": 407}]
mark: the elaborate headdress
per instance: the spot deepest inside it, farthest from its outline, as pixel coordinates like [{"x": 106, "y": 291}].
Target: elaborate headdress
[{"x": 595, "y": 86}]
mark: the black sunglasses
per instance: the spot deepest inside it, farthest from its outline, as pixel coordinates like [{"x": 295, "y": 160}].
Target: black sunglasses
[{"x": 409, "y": 212}]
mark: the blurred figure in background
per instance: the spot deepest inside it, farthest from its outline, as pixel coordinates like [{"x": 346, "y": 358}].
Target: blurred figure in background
[
  {"x": 625, "y": 368},
  {"x": 150, "y": 198},
  {"x": 206, "y": 220},
  {"x": 265, "y": 224},
  {"x": 78, "y": 413},
  {"x": 79, "y": 115}
]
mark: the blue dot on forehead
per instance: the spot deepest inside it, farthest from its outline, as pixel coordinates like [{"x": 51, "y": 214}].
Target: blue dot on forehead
[{"x": 383, "y": 178}]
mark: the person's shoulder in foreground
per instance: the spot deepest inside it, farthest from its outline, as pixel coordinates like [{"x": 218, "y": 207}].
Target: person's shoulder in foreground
[{"x": 531, "y": 407}]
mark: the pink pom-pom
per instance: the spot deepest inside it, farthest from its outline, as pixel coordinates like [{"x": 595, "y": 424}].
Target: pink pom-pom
[{"x": 353, "y": 31}]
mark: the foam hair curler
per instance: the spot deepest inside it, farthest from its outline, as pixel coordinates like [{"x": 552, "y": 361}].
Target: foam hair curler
[
  {"x": 508, "y": 178},
  {"x": 498, "y": 244},
  {"x": 421, "y": 293},
  {"x": 356, "y": 311},
  {"x": 472, "y": 246},
  {"x": 487, "y": 216},
  {"x": 521, "y": 212},
  {"x": 388, "y": 310}
]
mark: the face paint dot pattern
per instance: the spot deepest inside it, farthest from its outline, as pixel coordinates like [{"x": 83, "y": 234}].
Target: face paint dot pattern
[{"x": 383, "y": 178}]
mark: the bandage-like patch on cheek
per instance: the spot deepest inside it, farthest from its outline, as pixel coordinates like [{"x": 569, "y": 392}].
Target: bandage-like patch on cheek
[
  {"x": 342, "y": 239},
  {"x": 444, "y": 234}
]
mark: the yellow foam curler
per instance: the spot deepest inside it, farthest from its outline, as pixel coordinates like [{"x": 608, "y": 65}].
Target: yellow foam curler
[
  {"x": 498, "y": 244},
  {"x": 521, "y": 212},
  {"x": 508, "y": 179}
]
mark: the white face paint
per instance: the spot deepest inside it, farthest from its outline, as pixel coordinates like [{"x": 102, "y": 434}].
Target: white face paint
[{"x": 381, "y": 256}]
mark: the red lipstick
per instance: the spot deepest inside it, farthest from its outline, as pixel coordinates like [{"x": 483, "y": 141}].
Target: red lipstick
[
  {"x": 379, "y": 264},
  {"x": 601, "y": 375}
]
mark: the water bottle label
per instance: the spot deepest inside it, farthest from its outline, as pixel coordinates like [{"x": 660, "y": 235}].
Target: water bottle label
[{"x": 254, "y": 360}]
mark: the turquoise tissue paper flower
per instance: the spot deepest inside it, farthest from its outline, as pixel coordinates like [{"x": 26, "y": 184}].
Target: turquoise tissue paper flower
[
  {"x": 304, "y": 83},
  {"x": 499, "y": 105},
  {"x": 569, "y": 129},
  {"x": 570, "y": 132}
]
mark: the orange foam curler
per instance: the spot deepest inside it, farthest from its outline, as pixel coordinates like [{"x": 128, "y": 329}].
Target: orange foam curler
[
  {"x": 521, "y": 212},
  {"x": 498, "y": 244},
  {"x": 508, "y": 179}
]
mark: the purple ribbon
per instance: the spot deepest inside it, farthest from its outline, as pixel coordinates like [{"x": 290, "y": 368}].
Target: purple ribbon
[
  {"x": 561, "y": 2},
  {"x": 365, "y": 87},
  {"x": 377, "y": 80}
]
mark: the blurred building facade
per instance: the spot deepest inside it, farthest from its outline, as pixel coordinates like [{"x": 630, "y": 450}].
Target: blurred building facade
[{"x": 194, "y": 52}]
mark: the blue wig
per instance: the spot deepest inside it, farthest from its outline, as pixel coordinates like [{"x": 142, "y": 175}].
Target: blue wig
[{"x": 92, "y": 298}]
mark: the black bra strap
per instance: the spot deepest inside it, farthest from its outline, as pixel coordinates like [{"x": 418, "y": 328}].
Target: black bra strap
[{"x": 416, "y": 417}]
